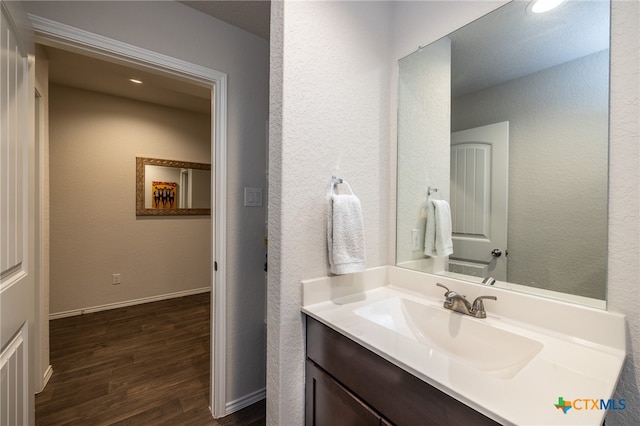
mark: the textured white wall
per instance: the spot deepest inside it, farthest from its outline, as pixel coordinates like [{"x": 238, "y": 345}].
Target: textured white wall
[
  {"x": 94, "y": 141},
  {"x": 414, "y": 24},
  {"x": 623, "y": 293},
  {"x": 558, "y": 171},
  {"x": 175, "y": 30},
  {"x": 330, "y": 113}
]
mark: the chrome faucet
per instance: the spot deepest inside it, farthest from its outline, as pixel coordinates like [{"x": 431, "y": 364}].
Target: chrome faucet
[{"x": 459, "y": 303}]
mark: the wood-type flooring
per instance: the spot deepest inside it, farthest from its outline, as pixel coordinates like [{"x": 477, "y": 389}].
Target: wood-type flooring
[{"x": 141, "y": 365}]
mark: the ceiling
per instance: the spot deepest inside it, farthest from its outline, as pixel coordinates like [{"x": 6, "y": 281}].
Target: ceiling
[
  {"x": 90, "y": 73},
  {"x": 84, "y": 72},
  {"x": 250, "y": 15},
  {"x": 541, "y": 48},
  {"x": 511, "y": 42}
]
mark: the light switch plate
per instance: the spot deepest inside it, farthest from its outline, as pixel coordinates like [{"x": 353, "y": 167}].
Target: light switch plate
[{"x": 252, "y": 197}]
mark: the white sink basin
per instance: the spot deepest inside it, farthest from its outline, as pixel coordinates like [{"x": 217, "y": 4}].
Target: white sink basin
[{"x": 469, "y": 340}]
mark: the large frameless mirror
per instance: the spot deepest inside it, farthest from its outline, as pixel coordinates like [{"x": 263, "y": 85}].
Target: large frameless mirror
[{"x": 507, "y": 120}]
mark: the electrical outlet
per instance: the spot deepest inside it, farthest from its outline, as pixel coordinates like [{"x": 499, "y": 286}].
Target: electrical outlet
[
  {"x": 415, "y": 239},
  {"x": 116, "y": 279}
]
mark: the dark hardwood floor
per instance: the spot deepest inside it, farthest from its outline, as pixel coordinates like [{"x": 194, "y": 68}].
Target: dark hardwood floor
[{"x": 140, "y": 365}]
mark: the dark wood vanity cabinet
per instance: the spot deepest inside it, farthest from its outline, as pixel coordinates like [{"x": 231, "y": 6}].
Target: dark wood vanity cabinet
[
  {"x": 330, "y": 403},
  {"x": 347, "y": 384}
]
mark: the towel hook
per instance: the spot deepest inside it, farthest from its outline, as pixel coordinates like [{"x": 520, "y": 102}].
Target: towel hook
[{"x": 430, "y": 190}]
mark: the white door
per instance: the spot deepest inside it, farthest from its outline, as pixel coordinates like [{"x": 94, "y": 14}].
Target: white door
[
  {"x": 17, "y": 176},
  {"x": 479, "y": 189}
]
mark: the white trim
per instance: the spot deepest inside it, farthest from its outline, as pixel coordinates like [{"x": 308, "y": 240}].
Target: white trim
[
  {"x": 45, "y": 378},
  {"x": 125, "y": 303},
  {"x": 219, "y": 303},
  {"x": 42, "y": 231},
  {"x": 58, "y": 34},
  {"x": 245, "y": 401},
  {"x": 62, "y": 35},
  {"x": 12, "y": 276}
]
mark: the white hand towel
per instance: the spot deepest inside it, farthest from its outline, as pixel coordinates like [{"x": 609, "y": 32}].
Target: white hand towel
[
  {"x": 437, "y": 239},
  {"x": 345, "y": 234}
]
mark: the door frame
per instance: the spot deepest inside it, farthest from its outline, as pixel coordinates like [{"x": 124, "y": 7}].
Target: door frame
[{"x": 60, "y": 35}]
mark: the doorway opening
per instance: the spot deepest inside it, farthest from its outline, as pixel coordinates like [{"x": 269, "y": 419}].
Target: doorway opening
[{"x": 76, "y": 41}]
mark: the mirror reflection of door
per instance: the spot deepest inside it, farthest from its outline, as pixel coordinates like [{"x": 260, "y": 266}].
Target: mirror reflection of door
[
  {"x": 479, "y": 193},
  {"x": 185, "y": 193}
]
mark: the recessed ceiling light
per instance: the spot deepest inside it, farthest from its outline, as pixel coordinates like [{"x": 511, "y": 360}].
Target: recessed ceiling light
[
  {"x": 542, "y": 6},
  {"x": 133, "y": 80}
]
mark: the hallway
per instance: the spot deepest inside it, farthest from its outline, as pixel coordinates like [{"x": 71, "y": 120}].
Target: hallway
[{"x": 140, "y": 365}]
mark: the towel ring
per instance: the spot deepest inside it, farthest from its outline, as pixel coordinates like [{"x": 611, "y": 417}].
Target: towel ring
[{"x": 337, "y": 181}]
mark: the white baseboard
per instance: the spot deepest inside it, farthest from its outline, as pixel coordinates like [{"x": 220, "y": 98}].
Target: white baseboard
[
  {"x": 125, "y": 303},
  {"x": 245, "y": 401},
  {"x": 46, "y": 377}
]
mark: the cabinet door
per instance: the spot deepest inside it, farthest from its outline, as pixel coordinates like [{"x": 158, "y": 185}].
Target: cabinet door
[{"x": 328, "y": 403}]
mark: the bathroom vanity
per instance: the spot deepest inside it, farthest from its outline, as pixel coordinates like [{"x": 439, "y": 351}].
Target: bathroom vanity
[
  {"x": 382, "y": 349},
  {"x": 348, "y": 384}
]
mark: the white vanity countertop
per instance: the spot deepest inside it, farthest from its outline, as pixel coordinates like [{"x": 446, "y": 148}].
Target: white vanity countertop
[{"x": 581, "y": 366}]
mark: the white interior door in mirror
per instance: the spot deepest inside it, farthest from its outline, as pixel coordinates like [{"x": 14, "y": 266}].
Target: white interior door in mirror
[{"x": 479, "y": 194}]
